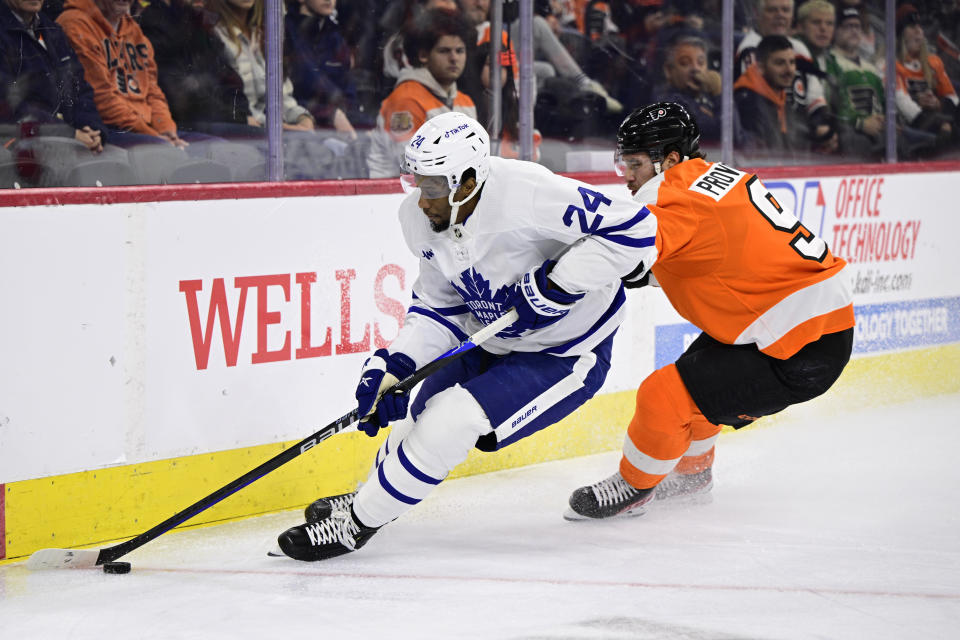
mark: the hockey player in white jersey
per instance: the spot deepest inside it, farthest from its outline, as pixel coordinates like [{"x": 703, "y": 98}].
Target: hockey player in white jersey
[{"x": 482, "y": 227}]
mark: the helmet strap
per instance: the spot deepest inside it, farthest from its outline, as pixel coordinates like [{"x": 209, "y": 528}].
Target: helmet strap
[
  {"x": 454, "y": 210},
  {"x": 455, "y": 206},
  {"x": 657, "y": 156},
  {"x": 657, "y": 167}
]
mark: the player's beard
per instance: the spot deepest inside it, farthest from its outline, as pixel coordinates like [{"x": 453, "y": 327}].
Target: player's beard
[{"x": 439, "y": 227}]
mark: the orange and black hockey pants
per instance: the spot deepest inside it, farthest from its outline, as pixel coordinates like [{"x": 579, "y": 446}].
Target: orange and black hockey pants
[{"x": 680, "y": 407}]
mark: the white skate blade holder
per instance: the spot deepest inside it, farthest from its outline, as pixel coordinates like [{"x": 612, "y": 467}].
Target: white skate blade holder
[{"x": 573, "y": 516}]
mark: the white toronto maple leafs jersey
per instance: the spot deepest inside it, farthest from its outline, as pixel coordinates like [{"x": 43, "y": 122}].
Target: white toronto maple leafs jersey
[{"x": 525, "y": 215}]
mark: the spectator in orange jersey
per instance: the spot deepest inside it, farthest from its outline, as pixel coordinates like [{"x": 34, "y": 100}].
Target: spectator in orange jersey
[
  {"x": 436, "y": 45},
  {"x": 118, "y": 63},
  {"x": 768, "y": 117},
  {"x": 925, "y": 98},
  {"x": 773, "y": 304},
  {"x": 774, "y": 18}
]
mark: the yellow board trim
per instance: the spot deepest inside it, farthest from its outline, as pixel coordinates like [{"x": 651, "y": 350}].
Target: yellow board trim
[{"x": 106, "y": 505}]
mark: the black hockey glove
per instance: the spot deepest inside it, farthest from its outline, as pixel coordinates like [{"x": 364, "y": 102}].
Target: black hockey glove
[
  {"x": 381, "y": 371},
  {"x": 639, "y": 277},
  {"x": 537, "y": 304}
]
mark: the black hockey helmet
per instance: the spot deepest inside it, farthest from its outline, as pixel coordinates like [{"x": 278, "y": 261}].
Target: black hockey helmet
[{"x": 657, "y": 129}]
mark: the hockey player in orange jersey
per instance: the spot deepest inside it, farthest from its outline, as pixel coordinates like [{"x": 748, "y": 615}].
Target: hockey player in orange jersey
[{"x": 772, "y": 302}]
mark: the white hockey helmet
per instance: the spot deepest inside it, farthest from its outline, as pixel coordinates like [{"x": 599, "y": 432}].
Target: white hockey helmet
[{"x": 447, "y": 145}]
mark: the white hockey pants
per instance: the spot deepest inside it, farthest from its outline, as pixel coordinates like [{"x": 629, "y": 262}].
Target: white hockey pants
[{"x": 417, "y": 456}]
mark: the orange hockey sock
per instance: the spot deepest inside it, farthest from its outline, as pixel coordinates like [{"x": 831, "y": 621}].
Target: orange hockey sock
[
  {"x": 661, "y": 429},
  {"x": 699, "y": 456},
  {"x": 695, "y": 464}
]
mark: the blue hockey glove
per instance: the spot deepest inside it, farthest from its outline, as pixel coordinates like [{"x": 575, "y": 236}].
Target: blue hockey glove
[
  {"x": 381, "y": 371},
  {"x": 536, "y": 303}
]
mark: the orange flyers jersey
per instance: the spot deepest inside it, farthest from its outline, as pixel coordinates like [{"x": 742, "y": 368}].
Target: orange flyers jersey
[
  {"x": 738, "y": 265},
  {"x": 910, "y": 76}
]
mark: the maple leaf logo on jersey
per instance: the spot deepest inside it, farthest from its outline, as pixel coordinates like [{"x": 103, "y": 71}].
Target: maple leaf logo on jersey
[{"x": 485, "y": 305}]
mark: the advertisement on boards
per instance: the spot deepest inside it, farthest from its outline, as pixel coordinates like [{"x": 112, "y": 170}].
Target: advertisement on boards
[
  {"x": 894, "y": 232},
  {"x": 151, "y": 330},
  {"x": 260, "y": 323}
]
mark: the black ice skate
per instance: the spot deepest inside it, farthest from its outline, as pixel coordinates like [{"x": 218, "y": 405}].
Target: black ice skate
[
  {"x": 693, "y": 488},
  {"x": 320, "y": 509},
  {"x": 336, "y": 534},
  {"x": 607, "y": 499}
]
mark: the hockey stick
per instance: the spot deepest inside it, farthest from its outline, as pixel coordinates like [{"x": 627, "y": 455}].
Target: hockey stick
[{"x": 85, "y": 558}]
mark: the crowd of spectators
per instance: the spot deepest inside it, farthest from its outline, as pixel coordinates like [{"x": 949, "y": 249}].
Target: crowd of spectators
[
  {"x": 124, "y": 92},
  {"x": 834, "y": 108}
]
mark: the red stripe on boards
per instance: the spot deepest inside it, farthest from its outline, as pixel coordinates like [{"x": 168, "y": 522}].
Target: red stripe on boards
[{"x": 245, "y": 190}]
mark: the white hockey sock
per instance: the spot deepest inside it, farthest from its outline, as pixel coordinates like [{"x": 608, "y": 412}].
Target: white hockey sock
[
  {"x": 441, "y": 439},
  {"x": 398, "y": 431}
]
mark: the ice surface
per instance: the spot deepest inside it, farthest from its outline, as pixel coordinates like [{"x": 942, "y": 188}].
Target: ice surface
[{"x": 822, "y": 526}]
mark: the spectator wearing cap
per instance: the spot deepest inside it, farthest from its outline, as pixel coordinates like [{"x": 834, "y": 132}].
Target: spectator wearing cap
[
  {"x": 41, "y": 79},
  {"x": 856, "y": 88},
  {"x": 770, "y": 122},
  {"x": 926, "y": 99},
  {"x": 873, "y": 18},
  {"x": 689, "y": 82}
]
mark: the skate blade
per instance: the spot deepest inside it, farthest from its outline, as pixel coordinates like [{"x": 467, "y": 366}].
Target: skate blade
[
  {"x": 572, "y": 516},
  {"x": 276, "y": 552}
]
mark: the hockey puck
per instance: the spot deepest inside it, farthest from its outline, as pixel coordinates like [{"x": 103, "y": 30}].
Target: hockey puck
[{"x": 116, "y": 567}]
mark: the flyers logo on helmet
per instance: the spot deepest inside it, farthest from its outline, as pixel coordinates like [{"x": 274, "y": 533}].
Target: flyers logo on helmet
[
  {"x": 659, "y": 113},
  {"x": 799, "y": 88}
]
